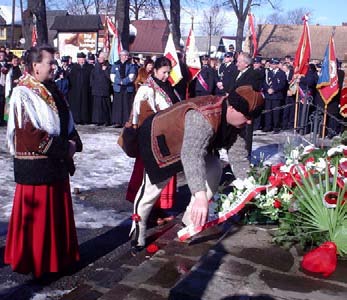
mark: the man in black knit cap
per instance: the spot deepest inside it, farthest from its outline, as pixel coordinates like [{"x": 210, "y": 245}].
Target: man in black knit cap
[{"x": 186, "y": 137}]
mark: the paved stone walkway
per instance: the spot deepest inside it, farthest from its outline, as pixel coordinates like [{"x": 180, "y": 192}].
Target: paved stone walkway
[{"x": 226, "y": 262}]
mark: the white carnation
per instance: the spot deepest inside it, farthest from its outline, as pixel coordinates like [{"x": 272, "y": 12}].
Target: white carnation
[
  {"x": 239, "y": 184},
  {"x": 320, "y": 165}
]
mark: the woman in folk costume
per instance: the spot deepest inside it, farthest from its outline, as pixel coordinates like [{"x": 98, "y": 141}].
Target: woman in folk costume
[
  {"x": 41, "y": 135},
  {"x": 154, "y": 95},
  {"x": 144, "y": 73}
]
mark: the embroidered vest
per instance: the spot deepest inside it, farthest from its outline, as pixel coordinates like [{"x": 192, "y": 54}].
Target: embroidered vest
[{"x": 168, "y": 126}]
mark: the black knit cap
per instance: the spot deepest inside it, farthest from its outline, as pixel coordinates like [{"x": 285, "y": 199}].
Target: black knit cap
[{"x": 246, "y": 100}]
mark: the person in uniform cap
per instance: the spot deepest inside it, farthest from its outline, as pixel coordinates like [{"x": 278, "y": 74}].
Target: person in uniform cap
[
  {"x": 64, "y": 59},
  {"x": 274, "y": 92},
  {"x": 186, "y": 137},
  {"x": 274, "y": 61},
  {"x": 226, "y": 74},
  {"x": 205, "y": 80},
  {"x": 257, "y": 60}
]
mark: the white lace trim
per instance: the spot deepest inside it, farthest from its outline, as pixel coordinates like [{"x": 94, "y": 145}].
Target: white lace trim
[{"x": 41, "y": 115}]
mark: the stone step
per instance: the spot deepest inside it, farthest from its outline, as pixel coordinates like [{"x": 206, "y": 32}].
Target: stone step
[{"x": 148, "y": 276}]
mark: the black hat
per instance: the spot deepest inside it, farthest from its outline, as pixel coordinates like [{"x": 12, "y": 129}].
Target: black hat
[
  {"x": 229, "y": 54},
  {"x": 274, "y": 61},
  {"x": 257, "y": 59},
  {"x": 204, "y": 57},
  {"x": 81, "y": 55},
  {"x": 246, "y": 100},
  {"x": 91, "y": 56},
  {"x": 65, "y": 58}
]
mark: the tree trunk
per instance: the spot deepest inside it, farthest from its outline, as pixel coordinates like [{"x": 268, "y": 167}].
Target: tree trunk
[
  {"x": 175, "y": 11},
  {"x": 239, "y": 34},
  {"x": 123, "y": 21}
]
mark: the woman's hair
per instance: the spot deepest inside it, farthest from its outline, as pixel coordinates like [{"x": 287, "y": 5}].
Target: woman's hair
[
  {"x": 162, "y": 62},
  {"x": 148, "y": 61},
  {"x": 34, "y": 55}
]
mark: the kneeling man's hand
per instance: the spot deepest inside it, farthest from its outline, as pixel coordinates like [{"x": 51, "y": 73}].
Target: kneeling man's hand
[{"x": 199, "y": 211}]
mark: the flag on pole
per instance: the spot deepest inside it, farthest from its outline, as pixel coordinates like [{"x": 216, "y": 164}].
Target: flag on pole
[
  {"x": 170, "y": 53},
  {"x": 192, "y": 56},
  {"x": 34, "y": 36},
  {"x": 328, "y": 85},
  {"x": 253, "y": 34},
  {"x": 106, "y": 40},
  {"x": 116, "y": 45},
  {"x": 303, "y": 52}
]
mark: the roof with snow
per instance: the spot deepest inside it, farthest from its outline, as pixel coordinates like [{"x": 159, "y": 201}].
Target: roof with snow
[{"x": 6, "y": 14}]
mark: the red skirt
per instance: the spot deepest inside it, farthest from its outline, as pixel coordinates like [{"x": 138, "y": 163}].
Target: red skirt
[
  {"x": 42, "y": 235},
  {"x": 167, "y": 195}
]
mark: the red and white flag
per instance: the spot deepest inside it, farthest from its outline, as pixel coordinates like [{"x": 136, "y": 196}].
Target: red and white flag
[
  {"x": 34, "y": 36},
  {"x": 106, "y": 40},
  {"x": 303, "y": 52},
  {"x": 253, "y": 34},
  {"x": 192, "y": 56},
  {"x": 170, "y": 53},
  {"x": 116, "y": 45}
]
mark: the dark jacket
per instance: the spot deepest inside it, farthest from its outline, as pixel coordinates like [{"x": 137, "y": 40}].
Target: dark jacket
[
  {"x": 100, "y": 81},
  {"x": 278, "y": 82},
  {"x": 227, "y": 75},
  {"x": 208, "y": 76},
  {"x": 249, "y": 77}
]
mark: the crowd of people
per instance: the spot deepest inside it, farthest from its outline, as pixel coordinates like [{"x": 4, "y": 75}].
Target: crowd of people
[
  {"x": 180, "y": 128},
  {"x": 102, "y": 94},
  {"x": 277, "y": 78}
]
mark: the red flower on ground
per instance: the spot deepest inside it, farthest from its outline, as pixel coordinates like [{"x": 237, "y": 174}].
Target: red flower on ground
[
  {"x": 152, "y": 248},
  {"x": 136, "y": 217},
  {"x": 321, "y": 260},
  {"x": 277, "y": 203}
]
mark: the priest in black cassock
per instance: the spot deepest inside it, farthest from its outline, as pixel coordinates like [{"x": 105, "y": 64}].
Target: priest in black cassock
[
  {"x": 101, "y": 90},
  {"x": 80, "y": 96}
]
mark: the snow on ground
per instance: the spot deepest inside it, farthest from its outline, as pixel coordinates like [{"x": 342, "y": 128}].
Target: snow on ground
[{"x": 102, "y": 164}]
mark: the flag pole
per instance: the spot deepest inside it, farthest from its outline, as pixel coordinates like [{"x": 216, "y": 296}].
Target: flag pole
[
  {"x": 189, "y": 81},
  {"x": 296, "y": 106},
  {"x": 324, "y": 120}
]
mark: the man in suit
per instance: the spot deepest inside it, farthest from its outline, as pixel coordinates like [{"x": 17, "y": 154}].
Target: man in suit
[{"x": 245, "y": 75}]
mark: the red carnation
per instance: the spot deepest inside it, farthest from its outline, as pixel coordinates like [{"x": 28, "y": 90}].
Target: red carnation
[
  {"x": 310, "y": 159},
  {"x": 136, "y": 217},
  {"x": 152, "y": 248},
  {"x": 277, "y": 203}
]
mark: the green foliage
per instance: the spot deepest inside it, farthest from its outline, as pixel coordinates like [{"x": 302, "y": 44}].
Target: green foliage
[{"x": 313, "y": 222}]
